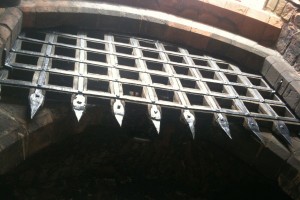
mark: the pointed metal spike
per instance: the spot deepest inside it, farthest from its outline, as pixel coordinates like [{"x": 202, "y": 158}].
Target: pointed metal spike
[
  {"x": 190, "y": 120},
  {"x": 119, "y": 111},
  {"x": 223, "y": 123},
  {"x": 36, "y": 100},
  {"x": 155, "y": 116},
  {"x": 281, "y": 129},
  {"x": 79, "y": 103},
  {"x": 252, "y": 125}
]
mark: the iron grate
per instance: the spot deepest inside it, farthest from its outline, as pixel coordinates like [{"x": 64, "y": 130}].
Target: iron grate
[{"x": 121, "y": 68}]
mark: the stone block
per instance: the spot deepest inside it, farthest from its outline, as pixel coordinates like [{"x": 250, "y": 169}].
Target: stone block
[
  {"x": 284, "y": 79},
  {"x": 280, "y": 6},
  {"x": 285, "y": 37},
  {"x": 288, "y": 11},
  {"x": 5, "y": 36},
  {"x": 271, "y": 5},
  {"x": 297, "y": 20},
  {"x": 293, "y": 50},
  {"x": 292, "y": 94},
  {"x": 270, "y": 60}
]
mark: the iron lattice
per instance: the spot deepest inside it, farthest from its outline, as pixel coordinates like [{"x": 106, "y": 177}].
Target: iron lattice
[{"x": 120, "y": 68}]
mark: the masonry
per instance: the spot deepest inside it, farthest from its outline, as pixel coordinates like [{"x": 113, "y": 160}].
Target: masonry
[{"x": 196, "y": 24}]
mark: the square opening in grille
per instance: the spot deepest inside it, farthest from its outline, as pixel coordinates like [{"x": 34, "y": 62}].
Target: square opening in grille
[
  {"x": 177, "y": 59},
  {"x": 201, "y": 62},
  {"x": 151, "y": 54},
  {"x": 160, "y": 79},
  {"x": 31, "y": 46},
  {"x": 282, "y": 111},
  {"x": 21, "y": 75},
  {"x": 226, "y": 103},
  {"x": 257, "y": 82},
  {"x": 225, "y": 66},
  {"x": 98, "y": 57},
  {"x": 124, "y": 50},
  {"x": 242, "y": 91},
  {"x": 189, "y": 84},
  {"x": 147, "y": 44},
  {"x": 182, "y": 70},
  {"x": 253, "y": 107},
  {"x": 129, "y": 62},
  {"x": 25, "y": 59},
  {"x": 62, "y": 64},
  {"x": 98, "y": 85},
  {"x": 120, "y": 39},
  {"x": 36, "y": 35},
  {"x": 165, "y": 95},
  {"x": 132, "y": 90},
  {"x": 268, "y": 95},
  {"x": 66, "y": 40},
  {"x": 60, "y": 80},
  {"x": 129, "y": 74},
  {"x": 96, "y": 35},
  {"x": 208, "y": 74},
  {"x": 156, "y": 66},
  {"x": 95, "y": 45},
  {"x": 96, "y": 69},
  {"x": 196, "y": 99},
  {"x": 171, "y": 48},
  {"x": 62, "y": 51},
  {"x": 216, "y": 87}
]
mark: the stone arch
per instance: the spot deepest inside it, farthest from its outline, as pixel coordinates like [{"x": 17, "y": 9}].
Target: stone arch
[{"x": 20, "y": 135}]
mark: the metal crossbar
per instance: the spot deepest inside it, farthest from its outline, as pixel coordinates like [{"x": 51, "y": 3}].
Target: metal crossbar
[{"x": 120, "y": 68}]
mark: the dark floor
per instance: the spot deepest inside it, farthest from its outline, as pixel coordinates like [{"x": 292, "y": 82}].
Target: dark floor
[{"x": 109, "y": 163}]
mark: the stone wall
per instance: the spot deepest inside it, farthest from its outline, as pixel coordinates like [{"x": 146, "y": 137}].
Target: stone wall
[{"x": 289, "y": 39}]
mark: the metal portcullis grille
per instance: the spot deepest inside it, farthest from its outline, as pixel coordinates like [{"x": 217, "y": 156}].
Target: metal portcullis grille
[{"x": 130, "y": 69}]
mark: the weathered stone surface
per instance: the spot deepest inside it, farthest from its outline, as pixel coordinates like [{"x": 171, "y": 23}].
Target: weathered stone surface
[
  {"x": 285, "y": 37},
  {"x": 292, "y": 94},
  {"x": 297, "y": 20},
  {"x": 288, "y": 11},
  {"x": 284, "y": 79},
  {"x": 293, "y": 50},
  {"x": 271, "y": 5},
  {"x": 280, "y": 6}
]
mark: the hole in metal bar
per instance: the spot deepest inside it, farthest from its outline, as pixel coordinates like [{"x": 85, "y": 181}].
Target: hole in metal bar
[
  {"x": 208, "y": 74},
  {"x": 25, "y": 59},
  {"x": 196, "y": 99},
  {"x": 96, "y": 69},
  {"x": 201, "y": 62},
  {"x": 31, "y": 46},
  {"x": 257, "y": 81},
  {"x": 36, "y": 35},
  {"x": 121, "y": 39},
  {"x": 126, "y": 61},
  {"x": 242, "y": 91},
  {"x": 165, "y": 95},
  {"x": 63, "y": 65},
  {"x": 224, "y": 66},
  {"x": 189, "y": 84},
  {"x": 124, "y": 50},
  {"x": 96, "y": 57},
  {"x": 21, "y": 75},
  {"x": 155, "y": 66},
  {"x": 160, "y": 79},
  {"x": 226, "y": 103},
  {"x": 60, "y": 80},
  {"x": 282, "y": 111},
  {"x": 132, "y": 90},
  {"x": 215, "y": 87},
  {"x": 178, "y": 59},
  {"x": 129, "y": 74},
  {"x": 268, "y": 95},
  {"x": 61, "y": 51},
  {"x": 66, "y": 40},
  {"x": 151, "y": 54},
  {"x": 253, "y": 107},
  {"x": 147, "y": 44},
  {"x": 96, "y": 35},
  {"x": 97, "y": 85},
  {"x": 95, "y": 45},
  {"x": 182, "y": 70},
  {"x": 171, "y": 48}
]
